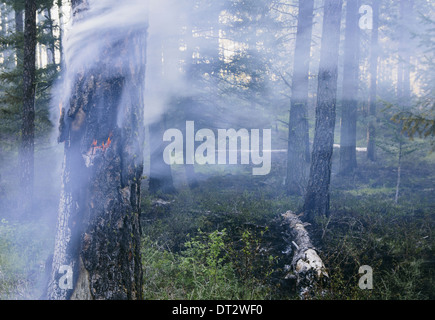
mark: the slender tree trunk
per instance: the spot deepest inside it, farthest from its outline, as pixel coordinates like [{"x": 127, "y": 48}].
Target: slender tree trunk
[
  {"x": 39, "y": 22},
  {"x": 28, "y": 112},
  {"x": 298, "y": 137},
  {"x": 5, "y": 25},
  {"x": 403, "y": 77},
  {"x": 51, "y": 48},
  {"x": 317, "y": 195},
  {"x": 404, "y": 63},
  {"x": 160, "y": 172},
  {"x": 399, "y": 172},
  {"x": 60, "y": 15},
  {"x": 374, "y": 58},
  {"x": 19, "y": 29},
  {"x": 99, "y": 234},
  {"x": 348, "y": 162},
  {"x": 160, "y": 177}
]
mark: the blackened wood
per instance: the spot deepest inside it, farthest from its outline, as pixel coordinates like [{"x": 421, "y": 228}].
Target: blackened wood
[{"x": 99, "y": 232}]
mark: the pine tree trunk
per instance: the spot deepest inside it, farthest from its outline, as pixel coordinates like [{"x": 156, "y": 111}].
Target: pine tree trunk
[
  {"x": 298, "y": 138},
  {"x": 374, "y": 57},
  {"x": 399, "y": 172},
  {"x": 60, "y": 44},
  {"x": 99, "y": 233},
  {"x": 51, "y": 48},
  {"x": 28, "y": 112},
  {"x": 160, "y": 176},
  {"x": 160, "y": 172},
  {"x": 348, "y": 162},
  {"x": 317, "y": 196},
  {"x": 5, "y": 26},
  {"x": 19, "y": 28},
  {"x": 404, "y": 68},
  {"x": 403, "y": 77}
]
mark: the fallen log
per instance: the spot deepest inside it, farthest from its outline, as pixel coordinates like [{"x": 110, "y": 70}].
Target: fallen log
[{"x": 306, "y": 266}]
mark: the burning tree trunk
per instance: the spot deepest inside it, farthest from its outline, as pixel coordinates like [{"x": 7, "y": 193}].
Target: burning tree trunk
[{"x": 97, "y": 249}]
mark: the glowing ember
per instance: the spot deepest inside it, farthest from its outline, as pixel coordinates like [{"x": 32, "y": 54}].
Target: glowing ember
[{"x": 104, "y": 146}]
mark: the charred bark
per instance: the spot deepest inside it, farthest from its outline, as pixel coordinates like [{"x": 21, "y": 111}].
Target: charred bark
[
  {"x": 298, "y": 139},
  {"x": 317, "y": 195},
  {"x": 98, "y": 234}
]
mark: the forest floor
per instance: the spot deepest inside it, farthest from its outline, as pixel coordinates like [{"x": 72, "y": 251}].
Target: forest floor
[{"x": 223, "y": 240}]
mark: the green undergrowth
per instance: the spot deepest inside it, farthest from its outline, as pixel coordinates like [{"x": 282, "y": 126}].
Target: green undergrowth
[
  {"x": 24, "y": 248},
  {"x": 195, "y": 244}
]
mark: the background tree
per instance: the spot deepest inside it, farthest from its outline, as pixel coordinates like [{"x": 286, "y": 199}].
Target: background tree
[
  {"x": 160, "y": 176},
  {"x": 316, "y": 202},
  {"x": 374, "y": 57},
  {"x": 28, "y": 112},
  {"x": 298, "y": 154},
  {"x": 420, "y": 120},
  {"x": 349, "y": 103}
]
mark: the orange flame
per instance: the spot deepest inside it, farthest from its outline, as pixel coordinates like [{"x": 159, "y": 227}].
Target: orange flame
[{"x": 104, "y": 146}]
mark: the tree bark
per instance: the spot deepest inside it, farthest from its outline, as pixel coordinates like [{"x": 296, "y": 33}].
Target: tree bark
[
  {"x": 51, "y": 48},
  {"x": 404, "y": 66},
  {"x": 316, "y": 200},
  {"x": 399, "y": 172},
  {"x": 28, "y": 112},
  {"x": 60, "y": 44},
  {"x": 306, "y": 265},
  {"x": 5, "y": 25},
  {"x": 348, "y": 162},
  {"x": 19, "y": 28},
  {"x": 99, "y": 233},
  {"x": 374, "y": 58},
  {"x": 160, "y": 176},
  {"x": 298, "y": 138},
  {"x": 160, "y": 173}
]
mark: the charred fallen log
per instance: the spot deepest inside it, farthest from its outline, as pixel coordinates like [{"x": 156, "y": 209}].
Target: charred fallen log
[{"x": 306, "y": 266}]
